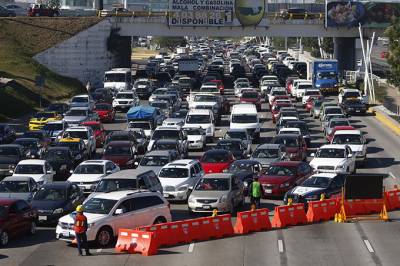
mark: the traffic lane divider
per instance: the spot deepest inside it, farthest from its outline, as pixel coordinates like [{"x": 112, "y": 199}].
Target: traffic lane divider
[
  {"x": 388, "y": 122},
  {"x": 289, "y": 215},
  {"x": 324, "y": 210},
  {"x": 393, "y": 199},
  {"x": 252, "y": 221},
  {"x": 136, "y": 241}
]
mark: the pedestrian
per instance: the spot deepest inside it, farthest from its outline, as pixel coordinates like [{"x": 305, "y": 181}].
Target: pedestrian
[
  {"x": 255, "y": 192},
  {"x": 80, "y": 227}
]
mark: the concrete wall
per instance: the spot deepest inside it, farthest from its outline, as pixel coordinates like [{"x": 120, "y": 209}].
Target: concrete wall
[{"x": 83, "y": 56}]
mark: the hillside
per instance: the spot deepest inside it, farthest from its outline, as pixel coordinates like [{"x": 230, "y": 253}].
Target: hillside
[{"x": 20, "y": 39}]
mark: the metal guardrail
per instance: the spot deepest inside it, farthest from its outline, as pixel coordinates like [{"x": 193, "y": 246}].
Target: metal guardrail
[
  {"x": 392, "y": 107},
  {"x": 353, "y": 76}
]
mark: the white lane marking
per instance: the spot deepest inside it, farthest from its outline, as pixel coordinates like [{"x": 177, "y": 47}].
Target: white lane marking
[
  {"x": 99, "y": 250},
  {"x": 191, "y": 247},
  {"x": 280, "y": 245},
  {"x": 369, "y": 246}
]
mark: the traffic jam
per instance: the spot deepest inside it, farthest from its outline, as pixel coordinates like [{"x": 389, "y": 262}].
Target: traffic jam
[{"x": 187, "y": 131}]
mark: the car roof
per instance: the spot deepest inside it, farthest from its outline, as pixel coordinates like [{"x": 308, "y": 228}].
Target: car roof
[
  {"x": 350, "y": 90},
  {"x": 57, "y": 184},
  {"x": 328, "y": 175},
  {"x": 287, "y": 136},
  {"x": 333, "y": 146},
  {"x": 115, "y": 195},
  {"x": 56, "y": 122},
  {"x": 33, "y": 161},
  {"x": 199, "y": 112},
  {"x": 348, "y": 132},
  {"x": 269, "y": 146},
  {"x": 158, "y": 153},
  {"x": 168, "y": 128},
  {"x": 219, "y": 175},
  {"x": 119, "y": 143},
  {"x": 101, "y": 162},
  {"x": 181, "y": 163}
]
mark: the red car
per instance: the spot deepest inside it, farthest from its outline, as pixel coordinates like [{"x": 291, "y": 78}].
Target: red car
[
  {"x": 98, "y": 130},
  {"x": 275, "y": 110},
  {"x": 220, "y": 85},
  {"x": 289, "y": 84},
  {"x": 310, "y": 102},
  {"x": 296, "y": 147},
  {"x": 329, "y": 137},
  {"x": 41, "y": 10},
  {"x": 17, "y": 218},
  {"x": 121, "y": 153},
  {"x": 283, "y": 176},
  {"x": 216, "y": 161},
  {"x": 105, "y": 111},
  {"x": 251, "y": 96}
]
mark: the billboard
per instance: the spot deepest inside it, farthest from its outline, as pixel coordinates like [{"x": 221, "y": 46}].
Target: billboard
[{"x": 376, "y": 14}]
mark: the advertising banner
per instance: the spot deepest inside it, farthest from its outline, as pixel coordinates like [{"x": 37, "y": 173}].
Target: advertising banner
[{"x": 374, "y": 14}]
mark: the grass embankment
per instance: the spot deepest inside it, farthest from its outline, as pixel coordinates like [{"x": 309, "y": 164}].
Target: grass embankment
[{"x": 21, "y": 39}]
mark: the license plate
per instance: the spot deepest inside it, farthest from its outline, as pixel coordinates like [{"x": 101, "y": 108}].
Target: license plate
[
  {"x": 166, "y": 195},
  {"x": 42, "y": 218},
  {"x": 357, "y": 111},
  {"x": 206, "y": 207},
  {"x": 65, "y": 233},
  {"x": 268, "y": 191}
]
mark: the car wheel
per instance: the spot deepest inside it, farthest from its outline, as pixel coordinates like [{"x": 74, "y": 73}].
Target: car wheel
[
  {"x": 160, "y": 220},
  {"x": 32, "y": 229},
  {"x": 104, "y": 236},
  {"x": 4, "y": 238}
]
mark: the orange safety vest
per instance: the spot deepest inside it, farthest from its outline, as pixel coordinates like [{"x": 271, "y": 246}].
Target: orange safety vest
[{"x": 80, "y": 224}]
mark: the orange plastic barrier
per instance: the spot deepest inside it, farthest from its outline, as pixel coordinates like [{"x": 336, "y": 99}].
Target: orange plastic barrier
[
  {"x": 136, "y": 241},
  {"x": 161, "y": 232},
  {"x": 289, "y": 215},
  {"x": 252, "y": 221},
  {"x": 372, "y": 205},
  {"x": 322, "y": 210},
  {"x": 216, "y": 227},
  {"x": 393, "y": 199}
]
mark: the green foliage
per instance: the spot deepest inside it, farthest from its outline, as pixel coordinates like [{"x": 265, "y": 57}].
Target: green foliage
[
  {"x": 393, "y": 32},
  {"x": 169, "y": 42},
  {"x": 327, "y": 45}
]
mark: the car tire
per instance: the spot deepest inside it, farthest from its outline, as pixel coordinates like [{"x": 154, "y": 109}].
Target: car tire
[
  {"x": 160, "y": 220},
  {"x": 32, "y": 229},
  {"x": 104, "y": 236},
  {"x": 4, "y": 238}
]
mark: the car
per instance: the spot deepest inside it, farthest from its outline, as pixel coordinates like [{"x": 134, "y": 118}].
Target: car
[
  {"x": 169, "y": 133},
  {"x": 54, "y": 200},
  {"x": 98, "y": 131},
  {"x": 303, "y": 127},
  {"x": 331, "y": 110},
  {"x": 84, "y": 133},
  {"x": 310, "y": 93},
  {"x": 266, "y": 154},
  {"x": 82, "y": 101},
  {"x": 40, "y": 119},
  {"x": 276, "y": 91},
  {"x": 61, "y": 160},
  {"x": 296, "y": 147},
  {"x": 223, "y": 192},
  {"x": 235, "y": 146},
  {"x": 169, "y": 144},
  {"x": 7, "y": 134},
  {"x": 88, "y": 173},
  {"x": 77, "y": 147},
  {"x": 155, "y": 160},
  {"x": 102, "y": 95},
  {"x": 108, "y": 212},
  {"x": 196, "y": 138},
  {"x": 275, "y": 110},
  {"x": 246, "y": 116},
  {"x": 105, "y": 111},
  {"x": 216, "y": 161},
  {"x": 242, "y": 134},
  {"x": 201, "y": 118},
  {"x": 40, "y": 170},
  {"x": 125, "y": 100},
  {"x": 179, "y": 177},
  {"x": 41, "y": 135},
  {"x": 5, "y": 12},
  {"x": 77, "y": 115},
  {"x": 353, "y": 107},
  {"x": 347, "y": 94},
  {"x": 141, "y": 139},
  {"x": 315, "y": 108},
  {"x": 40, "y": 10},
  {"x": 18, "y": 187},
  {"x": 335, "y": 122},
  {"x": 239, "y": 86},
  {"x": 246, "y": 170},
  {"x": 32, "y": 147},
  {"x": 329, "y": 184},
  {"x": 282, "y": 176},
  {"x": 251, "y": 96},
  {"x": 356, "y": 141},
  {"x": 329, "y": 137},
  {"x": 54, "y": 129},
  {"x": 121, "y": 152},
  {"x": 18, "y": 218},
  {"x": 143, "y": 88},
  {"x": 334, "y": 158},
  {"x": 173, "y": 122}
]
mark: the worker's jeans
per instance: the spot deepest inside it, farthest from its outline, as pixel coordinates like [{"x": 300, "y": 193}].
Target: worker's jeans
[
  {"x": 81, "y": 241},
  {"x": 255, "y": 201}
]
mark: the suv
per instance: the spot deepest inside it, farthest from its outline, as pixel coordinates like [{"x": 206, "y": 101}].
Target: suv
[
  {"x": 84, "y": 133},
  {"x": 356, "y": 142},
  {"x": 108, "y": 212},
  {"x": 169, "y": 133},
  {"x": 125, "y": 100},
  {"x": 203, "y": 118},
  {"x": 179, "y": 177}
]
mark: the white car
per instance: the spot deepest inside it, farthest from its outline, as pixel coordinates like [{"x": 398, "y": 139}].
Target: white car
[
  {"x": 40, "y": 170},
  {"x": 294, "y": 85},
  {"x": 290, "y": 130},
  {"x": 266, "y": 84},
  {"x": 203, "y": 118},
  {"x": 179, "y": 177},
  {"x": 84, "y": 133},
  {"x": 356, "y": 141},
  {"x": 108, "y": 212},
  {"x": 125, "y": 100},
  {"x": 87, "y": 174},
  {"x": 301, "y": 88},
  {"x": 349, "y": 94},
  {"x": 334, "y": 158},
  {"x": 238, "y": 80},
  {"x": 275, "y": 92},
  {"x": 287, "y": 60},
  {"x": 310, "y": 93},
  {"x": 173, "y": 122},
  {"x": 196, "y": 138},
  {"x": 168, "y": 133},
  {"x": 239, "y": 86},
  {"x": 245, "y": 115}
]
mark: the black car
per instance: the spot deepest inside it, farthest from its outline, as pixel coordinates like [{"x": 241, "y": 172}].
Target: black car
[
  {"x": 234, "y": 145},
  {"x": 7, "y": 134},
  {"x": 353, "y": 106},
  {"x": 246, "y": 170},
  {"x": 303, "y": 129},
  {"x": 60, "y": 108},
  {"x": 317, "y": 184},
  {"x": 103, "y": 95},
  {"x": 10, "y": 155},
  {"x": 41, "y": 135},
  {"x": 54, "y": 200},
  {"x": 32, "y": 146},
  {"x": 4, "y": 12},
  {"x": 61, "y": 160}
]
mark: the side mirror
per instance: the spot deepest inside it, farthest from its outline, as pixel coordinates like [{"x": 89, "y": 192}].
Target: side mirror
[
  {"x": 350, "y": 155},
  {"x": 108, "y": 172},
  {"x": 49, "y": 172},
  {"x": 119, "y": 211},
  {"x": 11, "y": 171},
  {"x": 71, "y": 171},
  {"x": 136, "y": 163}
]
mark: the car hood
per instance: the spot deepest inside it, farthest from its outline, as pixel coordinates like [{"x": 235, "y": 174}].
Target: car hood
[
  {"x": 194, "y": 137},
  {"x": 156, "y": 169},
  {"x": 84, "y": 178},
  {"x": 274, "y": 179},
  {"x": 356, "y": 148},
  {"x": 13, "y": 195},
  {"x": 205, "y": 194},
  {"x": 244, "y": 125},
  {"x": 327, "y": 161},
  {"x": 74, "y": 118},
  {"x": 195, "y": 104},
  {"x": 91, "y": 217},
  {"x": 214, "y": 167},
  {"x": 303, "y": 191},
  {"x": 175, "y": 182},
  {"x": 48, "y": 204},
  {"x": 37, "y": 178}
]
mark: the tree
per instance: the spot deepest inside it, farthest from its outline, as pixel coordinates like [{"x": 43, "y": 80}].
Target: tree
[
  {"x": 393, "y": 32},
  {"x": 327, "y": 45},
  {"x": 169, "y": 42}
]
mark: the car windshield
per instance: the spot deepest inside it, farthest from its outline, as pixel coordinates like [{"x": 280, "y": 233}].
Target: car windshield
[
  {"x": 14, "y": 186},
  {"x": 242, "y": 85},
  {"x": 198, "y": 119},
  {"x": 333, "y": 111},
  {"x": 229, "y": 145},
  {"x": 80, "y": 100},
  {"x": 53, "y": 127},
  {"x": 76, "y": 134},
  {"x": 279, "y": 171},
  {"x": 161, "y": 105},
  {"x": 194, "y": 131},
  {"x": 51, "y": 194},
  {"x": 99, "y": 205},
  {"x": 213, "y": 184},
  {"x": 144, "y": 125},
  {"x": 336, "y": 123},
  {"x": 27, "y": 143},
  {"x": 160, "y": 92},
  {"x": 74, "y": 146},
  {"x": 166, "y": 134},
  {"x": 351, "y": 94},
  {"x": 308, "y": 93},
  {"x": 347, "y": 139},
  {"x": 114, "y": 77},
  {"x": 56, "y": 155},
  {"x": 236, "y": 135},
  {"x": 353, "y": 101},
  {"x": 117, "y": 150},
  {"x": 34, "y": 169},
  {"x": 265, "y": 153},
  {"x": 215, "y": 157},
  {"x": 244, "y": 118},
  {"x": 76, "y": 113},
  {"x": 164, "y": 146},
  {"x": 124, "y": 96},
  {"x": 278, "y": 93},
  {"x": 326, "y": 75},
  {"x": 288, "y": 142},
  {"x": 44, "y": 115},
  {"x": 179, "y": 114},
  {"x": 107, "y": 185},
  {"x": 154, "y": 161},
  {"x": 89, "y": 169},
  {"x": 174, "y": 172},
  {"x": 241, "y": 166},
  {"x": 118, "y": 137},
  {"x": 317, "y": 181},
  {"x": 205, "y": 98},
  {"x": 105, "y": 107},
  {"x": 250, "y": 95},
  {"x": 330, "y": 153}
]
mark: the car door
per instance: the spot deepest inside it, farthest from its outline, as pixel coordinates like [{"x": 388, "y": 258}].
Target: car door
[
  {"x": 335, "y": 187},
  {"x": 124, "y": 219},
  {"x": 25, "y": 216},
  {"x": 48, "y": 172},
  {"x": 15, "y": 222}
]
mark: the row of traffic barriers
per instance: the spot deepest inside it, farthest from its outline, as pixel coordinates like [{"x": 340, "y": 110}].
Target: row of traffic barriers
[{"x": 148, "y": 239}]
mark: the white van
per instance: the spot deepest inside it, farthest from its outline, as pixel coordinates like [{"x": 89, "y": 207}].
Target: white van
[
  {"x": 118, "y": 78},
  {"x": 203, "y": 118},
  {"x": 245, "y": 115}
]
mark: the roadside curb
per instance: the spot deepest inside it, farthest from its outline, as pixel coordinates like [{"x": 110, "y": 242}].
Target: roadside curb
[{"x": 386, "y": 120}]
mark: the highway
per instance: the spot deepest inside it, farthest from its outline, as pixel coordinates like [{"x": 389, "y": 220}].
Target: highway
[{"x": 363, "y": 243}]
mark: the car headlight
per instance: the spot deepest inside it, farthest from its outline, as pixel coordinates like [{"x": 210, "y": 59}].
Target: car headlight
[
  {"x": 183, "y": 188},
  {"x": 312, "y": 197},
  {"x": 284, "y": 185},
  {"x": 191, "y": 200},
  {"x": 58, "y": 211},
  {"x": 11, "y": 166},
  {"x": 245, "y": 183},
  {"x": 340, "y": 166},
  {"x": 318, "y": 85},
  {"x": 223, "y": 199}
]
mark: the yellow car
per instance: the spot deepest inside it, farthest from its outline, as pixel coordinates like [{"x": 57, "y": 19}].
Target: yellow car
[
  {"x": 76, "y": 145},
  {"x": 41, "y": 118}
]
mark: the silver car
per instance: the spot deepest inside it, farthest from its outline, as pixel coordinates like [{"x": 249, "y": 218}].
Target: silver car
[
  {"x": 18, "y": 187},
  {"x": 266, "y": 154},
  {"x": 223, "y": 192}
]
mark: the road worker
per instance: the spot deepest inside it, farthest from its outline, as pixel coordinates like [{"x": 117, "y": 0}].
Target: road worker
[
  {"x": 80, "y": 227},
  {"x": 255, "y": 192}
]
